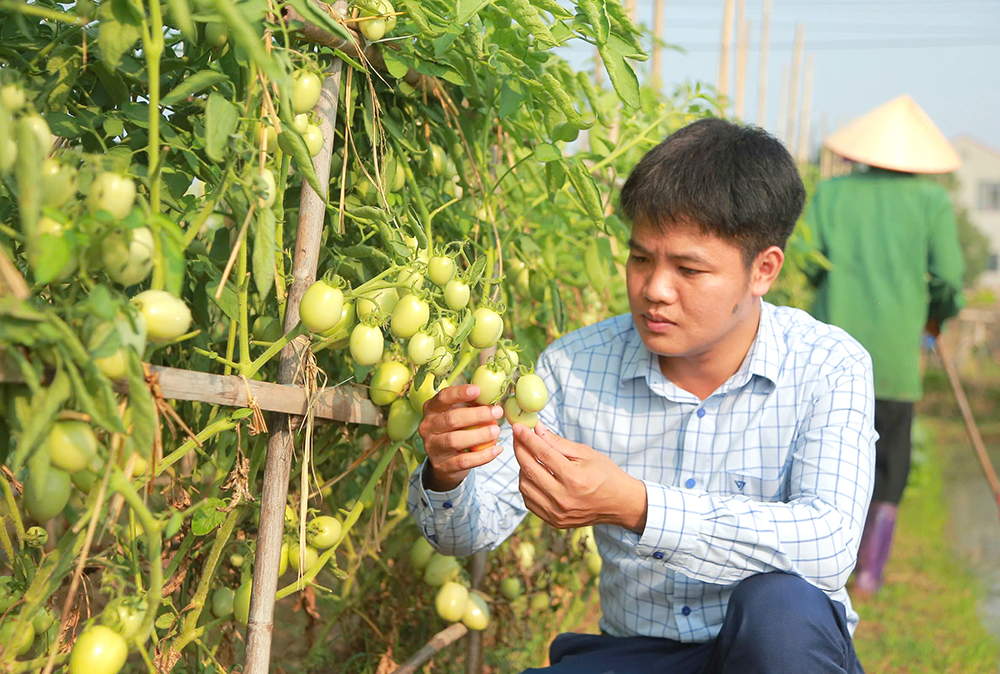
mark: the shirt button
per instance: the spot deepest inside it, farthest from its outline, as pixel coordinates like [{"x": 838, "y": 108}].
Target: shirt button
[
  {"x": 686, "y": 610},
  {"x": 701, "y": 412},
  {"x": 690, "y": 483},
  {"x": 657, "y": 555},
  {"x": 446, "y": 504}
]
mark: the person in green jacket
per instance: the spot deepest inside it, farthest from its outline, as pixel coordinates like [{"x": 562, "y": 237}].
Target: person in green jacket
[{"x": 895, "y": 273}]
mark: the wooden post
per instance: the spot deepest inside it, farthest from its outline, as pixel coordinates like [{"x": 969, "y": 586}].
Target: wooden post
[
  {"x": 742, "y": 45},
  {"x": 765, "y": 44},
  {"x": 658, "y": 7},
  {"x": 783, "y": 105},
  {"x": 803, "y": 144},
  {"x": 632, "y": 10},
  {"x": 793, "y": 90},
  {"x": 825, "y": 156},
  {"x": 280, "y": 448},
  {"x": 726, "y": 46}
]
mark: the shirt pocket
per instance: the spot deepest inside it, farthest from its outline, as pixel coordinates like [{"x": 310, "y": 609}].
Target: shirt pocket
[{"x": 764, "y": 487}]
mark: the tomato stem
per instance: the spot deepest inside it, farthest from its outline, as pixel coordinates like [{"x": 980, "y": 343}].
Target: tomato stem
[
  {"x": 208, "y": 432},
  {"x": 15, "y": 514},
  {"x": 273, "y": 350}
]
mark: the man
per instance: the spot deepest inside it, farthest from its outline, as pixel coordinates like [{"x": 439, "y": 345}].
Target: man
[
  {"x": 896, "y": 270},
  {"x": 721, "y": 446}
]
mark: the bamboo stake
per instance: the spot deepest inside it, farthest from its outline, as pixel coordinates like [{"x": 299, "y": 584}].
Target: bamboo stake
[
  {"x": 658, "y": 7},
  {"x": 277, "y": 470},
  {"x": 793, "y": 90},
  {"x": 765, "y": 44},
  {"x": 783, "y": 105},
  {"x": 726, "y": 46},
  {"x": 742, "y": 40},
  {"x": 825, "y": 156},
  {"x": 632, "y": 10},
  {"x": 445, "y": 637},
  {"x": 803, "y": 144}
]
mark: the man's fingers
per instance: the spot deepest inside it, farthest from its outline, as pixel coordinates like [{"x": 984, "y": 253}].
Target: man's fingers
[
  {"x": 467, "y": 460},
  {"x": 458, "y": 418},
  {"x": 450, "y": 396},
  {"x": 542, "y": 450},
  {"x": 533, "y": 467},
  {"x": 466, "y": 438}
]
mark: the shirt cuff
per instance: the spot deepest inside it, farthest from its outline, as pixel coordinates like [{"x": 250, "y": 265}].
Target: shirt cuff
[
  {"x": 442, "y": 504},
  {"x": 673, "y": 523}
]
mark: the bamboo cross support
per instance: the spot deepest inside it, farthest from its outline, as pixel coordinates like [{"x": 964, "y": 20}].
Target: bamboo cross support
[{"x": 308, "y": 240}]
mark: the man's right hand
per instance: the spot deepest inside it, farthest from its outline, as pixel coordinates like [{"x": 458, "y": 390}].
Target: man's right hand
[{"x": 454, "y": 424}]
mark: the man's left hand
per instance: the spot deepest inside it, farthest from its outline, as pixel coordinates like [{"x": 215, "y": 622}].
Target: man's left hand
[{"x": 569, "y": 485}]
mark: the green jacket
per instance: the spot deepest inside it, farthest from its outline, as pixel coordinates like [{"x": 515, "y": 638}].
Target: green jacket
[{"x": 896, "y": 261}]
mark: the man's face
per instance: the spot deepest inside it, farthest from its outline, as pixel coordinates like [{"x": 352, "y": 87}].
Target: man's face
[{"x": 687, "y": 290}]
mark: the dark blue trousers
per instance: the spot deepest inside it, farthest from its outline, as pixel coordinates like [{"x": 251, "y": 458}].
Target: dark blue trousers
[{"x": 776, "y": 623}]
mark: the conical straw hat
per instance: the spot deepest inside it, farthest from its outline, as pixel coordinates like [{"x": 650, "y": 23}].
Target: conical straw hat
[{"x": 899, "y": 136}]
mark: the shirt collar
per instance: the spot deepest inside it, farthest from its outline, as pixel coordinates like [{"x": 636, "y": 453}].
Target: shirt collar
[{"x": 763, "y": 359}]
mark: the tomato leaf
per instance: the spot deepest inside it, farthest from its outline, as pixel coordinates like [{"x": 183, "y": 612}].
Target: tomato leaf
[
  {"x": 312, "y": 13},
  {"x": 622, "y": 76},
  {"x": 558, "y": 308},
  {"x": 117, "y": 30},
  {"x": 478, "y": 268},
  {"x": 45, "y": 404},
  {"x": 58, "y": 250},
  {"x": 221, "y": 120},
  {"x": 464, "y": 328},
  {"x": 29, "y": 179},
  {"x": 263, "y": 252},
  {"x": 105, "y": 416},
  {"x": 467, "y": 9},
  {"x": 586, "y": 188},
  {"x": 546, "y": 152},
  {"x": 196, "y": 83},
  {"x": 395, "y": 63},
  {"x": 181, "y": 14},
  {"x": 209, "y": 516},
  {"x": 143, "y": 410}
]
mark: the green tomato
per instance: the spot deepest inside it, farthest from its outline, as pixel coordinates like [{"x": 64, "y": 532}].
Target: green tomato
[
  {"x": 46, "y": 498},
  {"x": 420, "y": 553},
  {"x": 323, "y": 532},
  {"x": 383, "y": 300},
  {"x": 440, "y": 364},
  {"x": 419, "y": 395},
  {"x": 268, "y": 188},
  {"x": 300, "y": 123},
  {"x": 366, "y": 344},
  {"x": 306, "y": 89},
  {"x": 303, "y": 565},
  {"x": 540, "y": 602},
  {"x": 43, "y": 620},
  {"x": 389, "y": 380},
  {"x": 411, "y": 314},
  {"x": 99, "y": 650},
  {"x": 491, "y": 384},
  {"x": 411, "y": 279},
  {"x": 395, "y": 172},
  {"x": 216, "y": 34},
  {"x": 267, "y": 328},
  {"x": 113, "y": 194},
  {"x": 456, "y": 294},
  {"x": 515, "y": 415},
  {"x": 84, "y": 480},
  {"x": 40, "y": 128},
  {"x": 372, "y": 29},
  {"x": 48, "y": 232},
  {"x": 13, "y": 97},
  {"x": 241, "y": 602},
  {"x": 594, "y": 562},
  {"x": 508, "y": 359},
  {"x": 531, "y": 393},
  {"x": 322, "y": 307},
  {"x": 283, "y": 559},
  {"x": 124, "y": 615},
  {"x": 266, "y": 132},
  {"x": 522, "y": 283},
  {"x": 445, "y": 330},
  {"x": 386, "y": 9},
  {"x": 487, "y": 330},
  {"x": 115, "y": 366},
  {"x": 36, "y": 537},
  {"x": 402, "y": 421},
  {"x": 440, "y": 270},
  {"x": 526, "y": 554},
  {"x": 223, "y": 600},
  {"x": 420, "y": 348},
  {"x": 58, "y": 183},
  {"x": 72, "y": 445},
  {"x": 451, "y": 600},
  {"x": 511, "y": 587},
  {"x": 18, "y": 642},
  {"x": 313, "y": 137},
  {"x": 128, "y": 256},
  {"x": 477, "y": 613},
  {"x": 437, "y": 160},
  {"x": 9, "y": 593},
  {"x": 166, "y": 316},
  {"x": 440, "y": 569}
]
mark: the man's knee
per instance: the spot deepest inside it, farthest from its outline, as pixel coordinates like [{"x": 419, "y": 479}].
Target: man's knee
[{"x": 779, "y": 594}]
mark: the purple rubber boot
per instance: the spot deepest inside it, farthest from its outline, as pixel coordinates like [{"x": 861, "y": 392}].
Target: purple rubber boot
[{"x": 876, "y": 544}]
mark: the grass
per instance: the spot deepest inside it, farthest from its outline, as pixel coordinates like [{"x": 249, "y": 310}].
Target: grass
[{"x": 925, "y": 619}]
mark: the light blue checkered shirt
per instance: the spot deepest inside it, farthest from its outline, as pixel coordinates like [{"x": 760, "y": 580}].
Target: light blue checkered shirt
[{"x": 773, "y": 472}]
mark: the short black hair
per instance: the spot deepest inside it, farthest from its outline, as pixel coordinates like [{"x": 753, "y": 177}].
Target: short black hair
[{"x": 735, "y": 181}]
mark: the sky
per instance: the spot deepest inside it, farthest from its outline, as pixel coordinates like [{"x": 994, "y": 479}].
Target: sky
[{"x": 944, "y": 53}]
